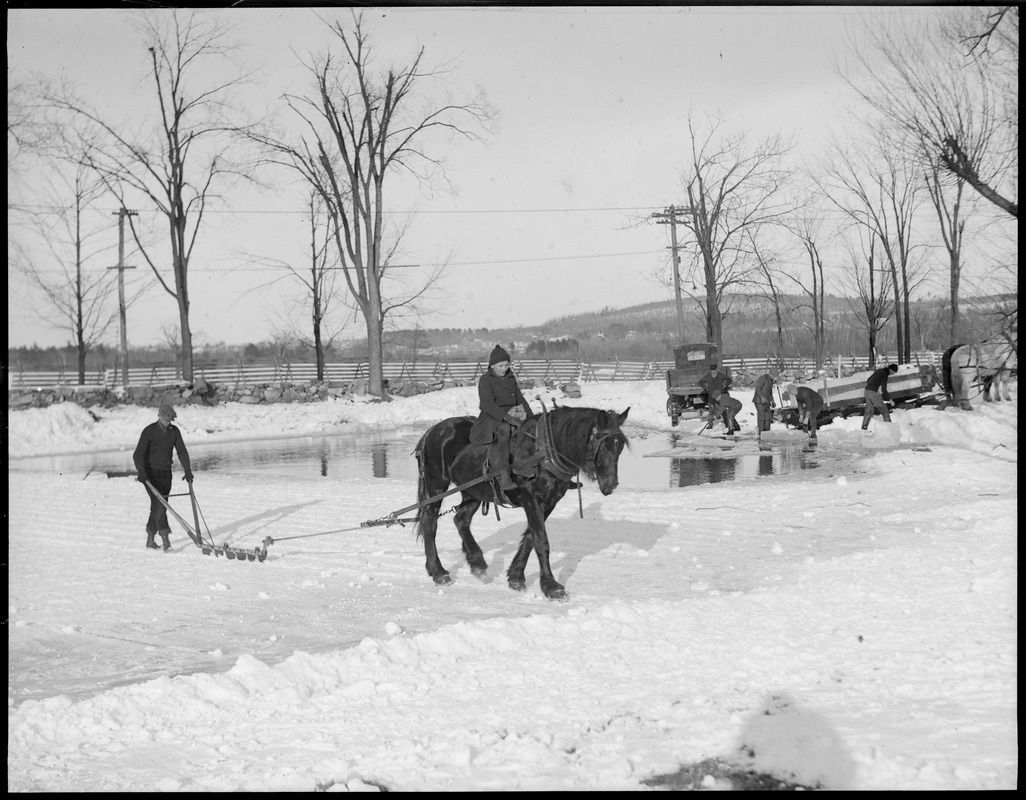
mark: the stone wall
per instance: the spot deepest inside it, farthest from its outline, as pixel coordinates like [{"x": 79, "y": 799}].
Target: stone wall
[{"x": 205, "y": 393}]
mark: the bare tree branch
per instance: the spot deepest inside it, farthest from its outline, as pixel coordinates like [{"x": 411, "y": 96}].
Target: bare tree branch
[{"x": 359, "y": 129}]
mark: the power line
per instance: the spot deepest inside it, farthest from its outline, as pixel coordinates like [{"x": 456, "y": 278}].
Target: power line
[
  {"x": 27, "y": 207},
  {"x": 272, "y": 268},
  {"x": 824, "y": 215}
]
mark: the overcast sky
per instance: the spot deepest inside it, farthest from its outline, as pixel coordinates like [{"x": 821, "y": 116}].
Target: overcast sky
[{"x": 548, "y": 218}]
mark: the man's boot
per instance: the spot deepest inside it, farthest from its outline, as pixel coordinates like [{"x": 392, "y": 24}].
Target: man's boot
[
  {"x": 150, "y": 543},
  {"x": 506, "y": 481},
  {"x": 165, "y": 538}
]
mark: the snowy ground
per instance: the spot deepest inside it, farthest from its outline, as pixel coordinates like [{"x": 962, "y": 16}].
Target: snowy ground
[{"x": 843, "y": 630}]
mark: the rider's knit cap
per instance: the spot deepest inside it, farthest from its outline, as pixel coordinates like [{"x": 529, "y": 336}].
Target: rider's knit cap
[{"x": 498, "y": 355}]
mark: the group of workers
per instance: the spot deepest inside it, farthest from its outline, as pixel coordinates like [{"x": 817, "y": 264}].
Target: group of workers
[{"x": 717, "y": 383}]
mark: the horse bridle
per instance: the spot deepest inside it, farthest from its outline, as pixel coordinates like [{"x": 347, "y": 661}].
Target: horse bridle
[{"x": 562, "y": 463}]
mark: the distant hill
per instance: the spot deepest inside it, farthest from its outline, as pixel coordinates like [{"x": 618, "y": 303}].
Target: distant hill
[{"x": 646, "y": 332}]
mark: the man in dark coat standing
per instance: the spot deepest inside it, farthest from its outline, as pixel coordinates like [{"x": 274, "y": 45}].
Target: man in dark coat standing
[
  {"x": 764, "y": 402},
  {"x": 503, "y": 408},
  {"x": 876, "y": 394},
  {"x": 152, "y": 459}
]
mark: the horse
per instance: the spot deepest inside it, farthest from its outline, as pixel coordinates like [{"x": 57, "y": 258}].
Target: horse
[
  {"x": 988, "y": 364},
  {"x": 562, "y": 442}
]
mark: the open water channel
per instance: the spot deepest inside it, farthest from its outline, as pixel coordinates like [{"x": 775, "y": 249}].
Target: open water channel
[{"x": 653, "y": 460}]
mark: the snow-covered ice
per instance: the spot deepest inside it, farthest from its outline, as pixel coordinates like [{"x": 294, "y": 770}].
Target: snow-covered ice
[{"x": 844, "y": 629}]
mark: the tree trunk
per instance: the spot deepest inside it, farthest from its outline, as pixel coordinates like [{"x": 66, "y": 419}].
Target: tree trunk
[
  {"x": 183, "y": 321},
  {"x": 898, "y": 332},
  {"x": 955, "y": 275},
  {"x": 318, "y": 351}
]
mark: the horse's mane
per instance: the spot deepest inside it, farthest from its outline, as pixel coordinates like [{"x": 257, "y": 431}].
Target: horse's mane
[{"x": 571, "y": 429}]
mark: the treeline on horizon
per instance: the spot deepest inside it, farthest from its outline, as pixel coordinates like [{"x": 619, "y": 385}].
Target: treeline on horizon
[{"x": 639, "y": 333}]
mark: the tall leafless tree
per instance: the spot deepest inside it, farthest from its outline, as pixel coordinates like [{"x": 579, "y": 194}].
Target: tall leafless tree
[
  {"x": 806, "y": 224},
  {"x": 319, "y": 281},
  {"x": 732, "y": 187},
  {"x": 182, "y": 156},
  {"x": 62, "y": 254},
  {"x": 362, "y": 128},
  {"x": 879, "y": 187},
  {"x": 768, "y": 277},
  {"x": 870, "y": 300},
  {"x": 950, "y": 80},
  {"x": 947, "y": 198}
]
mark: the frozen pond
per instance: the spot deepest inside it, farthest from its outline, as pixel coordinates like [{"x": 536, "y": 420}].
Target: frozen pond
[{"x": 654, "y": 461}]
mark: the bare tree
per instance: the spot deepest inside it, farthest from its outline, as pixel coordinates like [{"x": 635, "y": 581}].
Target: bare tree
[
  {"x": 767, "y": 266},
  {"x": 946, "y": 195},
  {"x": 64, "y": 262},
  {"x": 27, "y": 127},
  {"x": 951, "y": 82},
  {"x": 318, "y": 279},
  {"x": 171, "y": 334},
  {"x": 806, "y": 225},
  {"x": 179, "y": 165},
  {"x": 732, "y": 187},
  {"x": 870, "y": 301},
  {"x": 878, "y": 187},
  {"x": 361, "y": 127}
]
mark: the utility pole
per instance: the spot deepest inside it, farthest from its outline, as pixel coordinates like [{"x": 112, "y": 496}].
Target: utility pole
[
  {"x": 122, "y": 213},
  {"x": 669, "y": 217}
]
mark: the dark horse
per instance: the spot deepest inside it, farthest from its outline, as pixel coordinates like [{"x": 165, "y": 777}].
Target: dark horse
[{"x": 561, "y": 443}]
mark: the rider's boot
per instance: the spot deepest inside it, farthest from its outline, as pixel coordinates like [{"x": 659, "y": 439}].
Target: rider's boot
[
  {"x": 165, "y": 539},
  {"x": 150, "y": 543}
]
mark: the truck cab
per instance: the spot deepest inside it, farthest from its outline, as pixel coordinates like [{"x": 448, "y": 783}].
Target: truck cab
[{"x": 685, "y": 398}]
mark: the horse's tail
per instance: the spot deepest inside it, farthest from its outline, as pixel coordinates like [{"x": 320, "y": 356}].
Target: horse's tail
[
  {"x": 427, "y": 516},
  {"x": 946, "y": 369}
]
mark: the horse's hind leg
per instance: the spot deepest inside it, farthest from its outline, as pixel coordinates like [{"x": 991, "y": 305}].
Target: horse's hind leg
[
  {"x": 471, "y": 550},
  {"x": 427, "y": 529}
]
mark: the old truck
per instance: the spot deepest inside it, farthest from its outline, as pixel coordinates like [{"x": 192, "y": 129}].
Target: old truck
[
  {"x": 685, "y": 398},
  {"x": 910, "y": 386}
]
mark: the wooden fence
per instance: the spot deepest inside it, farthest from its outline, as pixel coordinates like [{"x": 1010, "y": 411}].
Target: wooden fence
[{"x": 460, "y": 372}]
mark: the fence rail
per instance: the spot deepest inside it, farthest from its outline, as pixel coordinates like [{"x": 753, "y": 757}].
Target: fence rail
[{"x": 461, "y": 372}]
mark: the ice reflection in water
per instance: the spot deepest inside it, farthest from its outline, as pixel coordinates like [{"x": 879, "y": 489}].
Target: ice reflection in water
[
  {"x": 389, "y": 454},
  {"x": 775, "y": 461}
]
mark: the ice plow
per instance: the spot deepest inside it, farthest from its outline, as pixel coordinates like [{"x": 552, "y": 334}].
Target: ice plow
[{"x": 206, "y": 543}]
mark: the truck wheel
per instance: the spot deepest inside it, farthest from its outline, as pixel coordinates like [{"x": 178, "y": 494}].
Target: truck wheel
[{"x": 671, "y": 409}]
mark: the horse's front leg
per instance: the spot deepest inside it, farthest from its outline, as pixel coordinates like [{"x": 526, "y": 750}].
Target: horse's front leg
[
  {"x": 471, "y": 549},
  {"x": 1001, "y": 390},
  {"x": 536, "y": 516}
]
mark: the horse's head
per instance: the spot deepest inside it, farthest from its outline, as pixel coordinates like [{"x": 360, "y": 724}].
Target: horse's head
[{"x": 604, "y": 447}]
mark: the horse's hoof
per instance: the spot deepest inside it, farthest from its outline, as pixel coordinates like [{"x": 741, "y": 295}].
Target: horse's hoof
[
  {"x": 557, "y": 594},
  {"x": 479, "y": 572},
  {"x": 443, "y": 580},
  {"x": 518, "y": 586}
]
